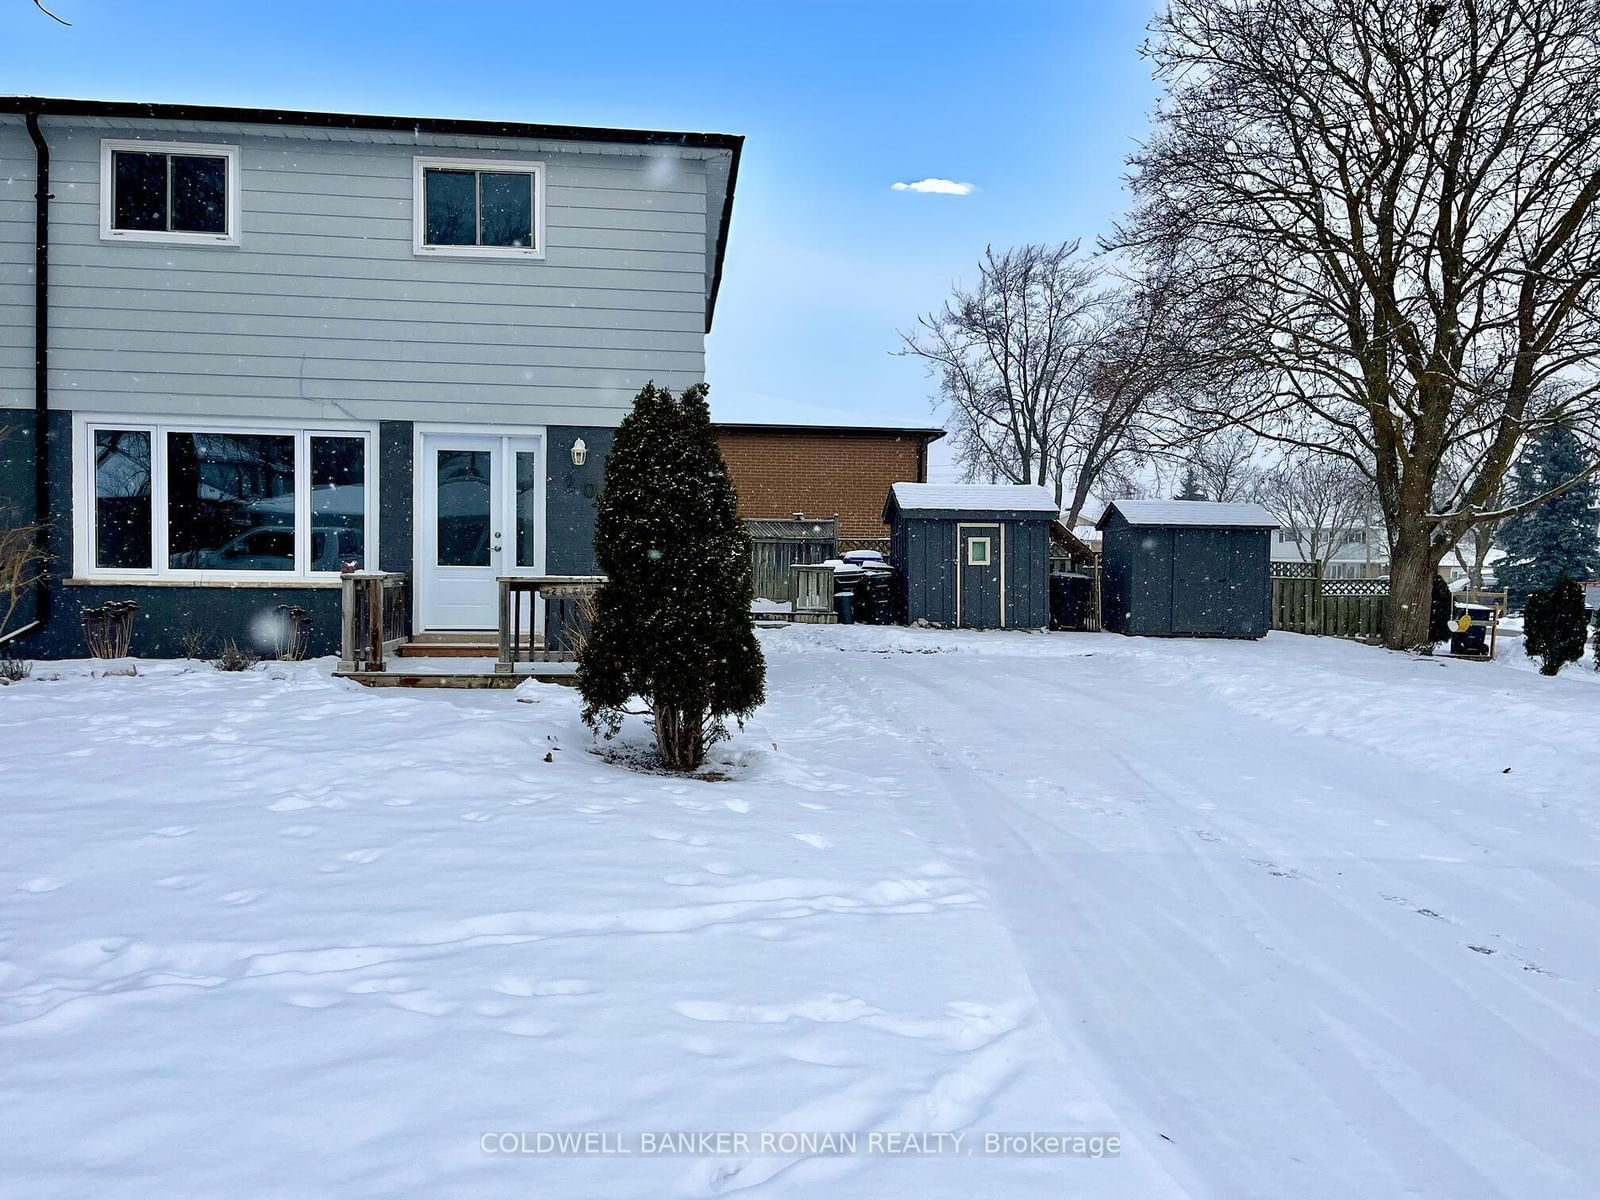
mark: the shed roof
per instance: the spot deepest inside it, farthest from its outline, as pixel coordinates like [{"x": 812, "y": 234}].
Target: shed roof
[
  {"x": 948, "y": 499},
  {"x": 1206, "y": 513}
]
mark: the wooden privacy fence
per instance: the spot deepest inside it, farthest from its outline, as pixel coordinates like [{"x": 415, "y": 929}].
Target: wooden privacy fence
[
  {"x": 1304, "y": 602},
  {"x": 778, "y": 544}
]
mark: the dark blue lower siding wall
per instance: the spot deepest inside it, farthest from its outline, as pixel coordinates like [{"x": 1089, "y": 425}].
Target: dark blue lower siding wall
[{"x": 172, "y": 616}]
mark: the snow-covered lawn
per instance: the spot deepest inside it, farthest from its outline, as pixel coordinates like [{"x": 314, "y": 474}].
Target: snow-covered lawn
[{"x": 1292, "y": 918}]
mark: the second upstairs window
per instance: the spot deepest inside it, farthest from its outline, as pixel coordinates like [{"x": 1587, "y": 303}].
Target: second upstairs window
[
  {"x": 172, "y": 192},
  {"x": 489, "y": 208}
]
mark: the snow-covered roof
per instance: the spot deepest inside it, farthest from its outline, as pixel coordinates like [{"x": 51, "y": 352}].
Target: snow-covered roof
[
  {"x": 1208, "y": 513},
  {"x": 974, "y": 497}
]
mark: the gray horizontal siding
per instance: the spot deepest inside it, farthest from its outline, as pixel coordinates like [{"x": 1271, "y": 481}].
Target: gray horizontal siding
[
  {"x": 324, "y": 301},
  {"x": 16, "y": 265}
]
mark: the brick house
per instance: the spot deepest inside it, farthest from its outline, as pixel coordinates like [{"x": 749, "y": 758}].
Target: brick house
[{"x": 821, "y": 470}]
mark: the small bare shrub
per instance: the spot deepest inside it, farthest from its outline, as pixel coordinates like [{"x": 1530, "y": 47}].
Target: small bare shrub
[
  {"x": 14, "y": 670},
  {"x": 294, "y": 632},
  {"x": 233, "y": 658},
  {"x": 108, "y": 630},
  {"x": 192, "y": 643}
]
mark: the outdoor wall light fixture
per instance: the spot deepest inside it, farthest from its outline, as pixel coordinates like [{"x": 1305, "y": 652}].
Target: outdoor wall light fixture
[{"x": 580, "y": 452}]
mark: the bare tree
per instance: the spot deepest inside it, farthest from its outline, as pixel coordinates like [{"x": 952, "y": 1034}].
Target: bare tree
[
  {"x": 23, "y": 559},
  {"x": 1318, "y": 499},
  {"x": 1385, "y": 215},
  {"x": 1224, "y": 465},
  {"x": 1046, "y": 369}
]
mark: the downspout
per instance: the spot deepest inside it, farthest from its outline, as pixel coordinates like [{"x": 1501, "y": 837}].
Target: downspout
[{"x": 41, "y": 357}]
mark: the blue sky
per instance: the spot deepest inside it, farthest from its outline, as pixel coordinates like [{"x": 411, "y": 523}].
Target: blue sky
[{"x": 1035, "y": 104}]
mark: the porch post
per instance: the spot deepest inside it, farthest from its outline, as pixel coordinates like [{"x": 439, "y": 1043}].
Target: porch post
[{"x": 506, "y": 664}]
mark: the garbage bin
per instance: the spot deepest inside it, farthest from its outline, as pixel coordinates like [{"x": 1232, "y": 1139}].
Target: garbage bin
[
  {"x": 1469, "y": 629},
  {"x": 846, "y": 578},
  {"x": 875, "y": 594}
]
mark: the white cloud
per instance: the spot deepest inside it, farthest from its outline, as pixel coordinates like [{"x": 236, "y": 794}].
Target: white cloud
[{"x": 939, "y": 187}]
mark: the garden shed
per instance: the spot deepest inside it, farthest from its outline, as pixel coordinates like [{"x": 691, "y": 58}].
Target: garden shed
[
  {"x": 1186, "y": 568},
  {"x": 976, "y": 556}
]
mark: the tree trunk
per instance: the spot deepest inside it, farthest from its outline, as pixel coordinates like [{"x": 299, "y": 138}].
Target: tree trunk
[
  {"x": 1412, "y": 567},
  {"x": 680, "y": 738}
]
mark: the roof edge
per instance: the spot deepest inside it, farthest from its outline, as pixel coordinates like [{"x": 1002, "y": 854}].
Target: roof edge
[{"x": 927, "y": 433}]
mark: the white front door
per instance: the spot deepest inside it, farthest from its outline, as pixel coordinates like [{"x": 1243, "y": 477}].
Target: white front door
[{"x": 480, "y": 515}]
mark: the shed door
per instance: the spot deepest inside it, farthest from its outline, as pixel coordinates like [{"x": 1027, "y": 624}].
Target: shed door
[
  {"x": 978, "y": 555},
  {"x": 1201, "y": 595}
]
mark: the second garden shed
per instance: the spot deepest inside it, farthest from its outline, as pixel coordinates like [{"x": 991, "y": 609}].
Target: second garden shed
[
  {"x": 976, "y": 556},
  {"x": 1186, "y": 568}
]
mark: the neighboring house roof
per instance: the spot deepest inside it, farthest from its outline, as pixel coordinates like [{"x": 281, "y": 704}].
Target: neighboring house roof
[
  {"x": 1205, "y": 513},
  {"x": 945, "y": 499},
  {"x": 919, "y": 432},
  {"x": 1061, "y": 536},
  {"x": 719, "y": 214}
]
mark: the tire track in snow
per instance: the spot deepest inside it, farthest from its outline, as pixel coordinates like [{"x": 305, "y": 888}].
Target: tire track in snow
[{"x": 1155, "y": 887}]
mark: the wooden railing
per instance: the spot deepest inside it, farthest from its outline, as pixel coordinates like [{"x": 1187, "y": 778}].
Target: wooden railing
[
  {"x": 374, "y": 618},
  {"x": 566, "y": 604}
]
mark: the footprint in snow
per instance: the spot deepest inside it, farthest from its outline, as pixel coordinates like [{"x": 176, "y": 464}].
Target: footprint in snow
[
  {"x": 815, "y": 840},
  {"x": 242, "y": 897},
  {"x": 312, "y": 999},
  {"x": 45, "y": 884},
  {"x": 425, "y": 1003},
  {"x": 173, "y": 831},
  {"x": 738, "y": 806}
]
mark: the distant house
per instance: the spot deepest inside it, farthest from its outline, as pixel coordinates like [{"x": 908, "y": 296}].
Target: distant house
[
  {"x": 1358, "y": 552},
  {"x": 823, "y": 470}
]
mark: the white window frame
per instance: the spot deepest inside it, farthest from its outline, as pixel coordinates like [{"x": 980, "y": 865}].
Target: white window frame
[
  {"x": 167, "y": 237},
  {"x": 421, "y": 164},
  {"x": 988, "y": 552},
  {"x": 83, "y": 496}
]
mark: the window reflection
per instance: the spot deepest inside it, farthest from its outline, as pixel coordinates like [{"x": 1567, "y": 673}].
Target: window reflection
[{"x": 230, "y": 501}]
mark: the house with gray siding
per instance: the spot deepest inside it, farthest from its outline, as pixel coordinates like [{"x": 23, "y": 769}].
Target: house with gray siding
[{"x": 243, "y": 350}]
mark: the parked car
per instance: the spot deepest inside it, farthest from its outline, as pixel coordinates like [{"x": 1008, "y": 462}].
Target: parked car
[{"x": 271, "y": 548}]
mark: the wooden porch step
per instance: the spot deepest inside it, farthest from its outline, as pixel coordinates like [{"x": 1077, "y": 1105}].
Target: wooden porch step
[
  {"x": 486, "y": 637},
  {"x": 420, "y": 649}
]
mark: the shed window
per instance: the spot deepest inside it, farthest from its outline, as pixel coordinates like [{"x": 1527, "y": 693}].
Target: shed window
[
  {"x": 181, "y": 501},
  {"x": 489, "y": 208},
  {"x": 169, "y": 192},
  {"x": 978, "y": 552}
]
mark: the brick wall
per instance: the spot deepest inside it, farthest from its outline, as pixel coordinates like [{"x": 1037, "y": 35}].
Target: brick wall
[{"x": 821, "y": 472}]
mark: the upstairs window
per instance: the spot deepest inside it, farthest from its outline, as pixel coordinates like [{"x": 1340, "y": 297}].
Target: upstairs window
[
  {"x": 169, "y": 192},
  {"x": 488, "y": 208}
]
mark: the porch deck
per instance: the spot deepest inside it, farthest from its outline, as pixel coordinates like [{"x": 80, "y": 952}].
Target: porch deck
[{"x": 379, "y": 649}]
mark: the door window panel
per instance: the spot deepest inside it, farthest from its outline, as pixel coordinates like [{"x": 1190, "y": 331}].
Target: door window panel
[
  {"x": 465, "y": 504},
  {"x": 528, "y": 488}
]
